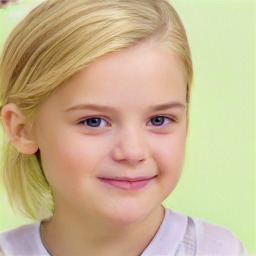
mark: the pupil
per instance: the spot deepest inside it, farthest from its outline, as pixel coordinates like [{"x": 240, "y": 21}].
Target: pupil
[
  {"x": 158, "y": 121},
  {"x": 93, "y": 122}
]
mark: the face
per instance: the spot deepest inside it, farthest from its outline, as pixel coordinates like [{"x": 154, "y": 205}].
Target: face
[{"x": 112, "y": 139}]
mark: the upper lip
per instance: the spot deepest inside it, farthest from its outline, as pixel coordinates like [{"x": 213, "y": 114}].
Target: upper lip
[{"x": 131, "y": 179}]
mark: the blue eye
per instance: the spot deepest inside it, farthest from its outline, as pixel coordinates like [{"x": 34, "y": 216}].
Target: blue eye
[
  {"x": 94, "y": 122},
  {"x": 159, "y": 120}
]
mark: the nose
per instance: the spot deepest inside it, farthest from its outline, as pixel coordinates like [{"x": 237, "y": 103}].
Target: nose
[{"x": 130, "y": 147}]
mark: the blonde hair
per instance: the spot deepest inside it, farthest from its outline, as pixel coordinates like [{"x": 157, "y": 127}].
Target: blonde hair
[{"x": 54, "y": 42}]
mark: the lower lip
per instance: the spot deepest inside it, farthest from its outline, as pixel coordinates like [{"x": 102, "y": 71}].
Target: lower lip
[{"x": 127, "y": 185}]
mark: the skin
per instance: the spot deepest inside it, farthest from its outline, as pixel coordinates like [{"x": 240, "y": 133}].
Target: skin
[{"x": 134, "y": 86}]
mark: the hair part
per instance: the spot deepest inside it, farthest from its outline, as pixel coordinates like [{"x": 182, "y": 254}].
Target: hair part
[{"x": 53, "y": 43}]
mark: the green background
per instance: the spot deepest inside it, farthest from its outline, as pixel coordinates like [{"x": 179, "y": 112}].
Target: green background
[{"x": 218, "y": 182}]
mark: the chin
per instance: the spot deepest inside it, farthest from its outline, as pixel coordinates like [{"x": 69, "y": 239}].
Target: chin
[
  {"x": 125, "y": 216},
  {"x": 127, "y": 219}
]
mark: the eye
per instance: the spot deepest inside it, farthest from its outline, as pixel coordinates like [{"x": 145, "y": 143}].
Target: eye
[
  {"x": 94, "y": 122},
  {"x": 160, "y": 120}
]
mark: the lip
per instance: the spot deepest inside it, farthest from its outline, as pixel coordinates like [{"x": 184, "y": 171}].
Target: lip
[{"x": 127, "y": 183}]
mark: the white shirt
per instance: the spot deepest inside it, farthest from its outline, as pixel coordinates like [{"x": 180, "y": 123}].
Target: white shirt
[{"x": 177, "y": 235}]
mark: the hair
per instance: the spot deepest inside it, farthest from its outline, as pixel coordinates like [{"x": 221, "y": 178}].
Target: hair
[{"x": 49, "y": 46}]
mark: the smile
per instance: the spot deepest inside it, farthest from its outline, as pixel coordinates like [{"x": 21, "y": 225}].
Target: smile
[{"x": 126, "y": 183}]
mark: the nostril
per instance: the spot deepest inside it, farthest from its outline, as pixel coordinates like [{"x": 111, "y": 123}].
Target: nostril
[
  {"x": 129, "y": 155},
  {"x": 130, "y": 146}
]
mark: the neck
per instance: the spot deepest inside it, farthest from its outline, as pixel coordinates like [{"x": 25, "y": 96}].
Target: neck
[{"x": 71, "y": 235}]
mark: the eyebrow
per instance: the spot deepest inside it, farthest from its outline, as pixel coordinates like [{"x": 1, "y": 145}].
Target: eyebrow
[
  {"x": 168, "y": 106},
  {"x": 108, "y": 108}
]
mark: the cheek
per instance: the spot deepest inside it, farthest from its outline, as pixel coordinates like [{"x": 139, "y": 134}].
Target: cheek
[
  {"x": 66, "y": 159},
  {"x": 170, "y": 156}
]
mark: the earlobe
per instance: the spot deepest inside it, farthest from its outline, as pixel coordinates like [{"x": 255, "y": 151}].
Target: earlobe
[{"x": 14, "y": 124}]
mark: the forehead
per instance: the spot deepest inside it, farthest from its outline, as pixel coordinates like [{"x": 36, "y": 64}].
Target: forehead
[{"x": 147, "y": 73}]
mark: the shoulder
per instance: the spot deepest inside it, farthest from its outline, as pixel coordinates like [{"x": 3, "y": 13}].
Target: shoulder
[
  {"x": 195, "y": 236},
  {"x": 24, "y": 240},
  {"x": 217, "y": 240}
]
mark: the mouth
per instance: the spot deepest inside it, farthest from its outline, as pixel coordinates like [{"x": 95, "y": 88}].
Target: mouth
[{"x": 127, "y": 183}]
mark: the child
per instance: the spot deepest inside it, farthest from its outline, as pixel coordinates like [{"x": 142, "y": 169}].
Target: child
[{"x": 95, "y": 99}]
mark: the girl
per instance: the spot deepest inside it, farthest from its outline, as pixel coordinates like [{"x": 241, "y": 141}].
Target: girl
[{"x": 95, "y": 99}]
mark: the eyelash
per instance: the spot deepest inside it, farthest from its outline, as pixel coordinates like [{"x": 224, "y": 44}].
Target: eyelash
[
  {"x": 167, "y": 119},
  {"x": 83, "y": 121}
]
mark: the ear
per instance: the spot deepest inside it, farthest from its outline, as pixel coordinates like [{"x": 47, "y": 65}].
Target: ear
[{"x": 14, "y": 124}]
